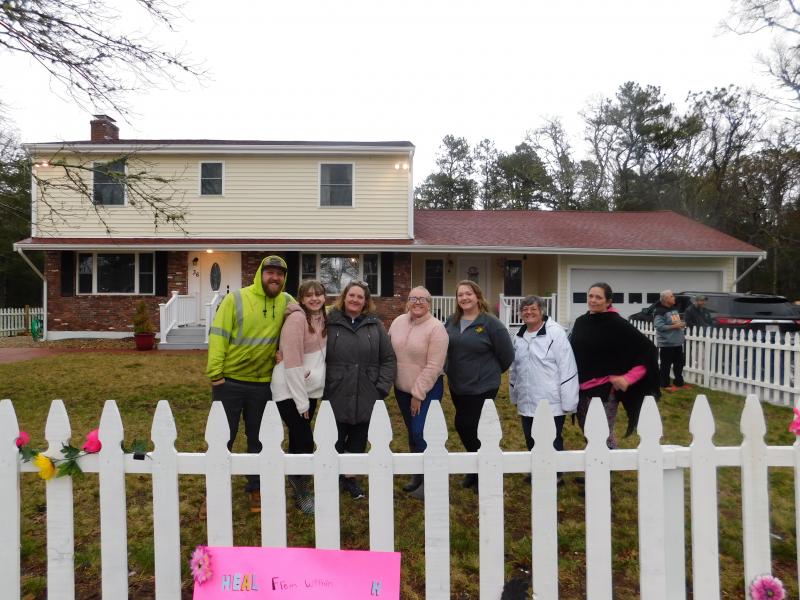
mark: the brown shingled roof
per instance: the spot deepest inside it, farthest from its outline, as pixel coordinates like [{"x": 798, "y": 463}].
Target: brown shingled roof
[{"x": 653, "y": 231}]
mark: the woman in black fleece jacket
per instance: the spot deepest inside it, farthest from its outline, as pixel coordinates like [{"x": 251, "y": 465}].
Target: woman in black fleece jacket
[{"x": 479, "y": 352}]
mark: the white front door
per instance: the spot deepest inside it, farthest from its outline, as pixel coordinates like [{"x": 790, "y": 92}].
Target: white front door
[
  {"x": 475, "y": 268},
  {"x": 214, "y": 272}
]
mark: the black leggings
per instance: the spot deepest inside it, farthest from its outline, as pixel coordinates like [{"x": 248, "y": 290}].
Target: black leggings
[
  {"x": 352, "y": 437},
  {"x": 468, "y": 413},
  {"x": 301, "y": 438}
]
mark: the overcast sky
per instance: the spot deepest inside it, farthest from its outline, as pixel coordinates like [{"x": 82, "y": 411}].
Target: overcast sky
[{"x": 413, "y": 70}]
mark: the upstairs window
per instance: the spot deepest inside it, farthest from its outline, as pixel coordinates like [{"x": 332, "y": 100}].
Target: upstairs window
[
  {"x": 108, "y": 183},
  {"x": 211, "y": 179},
  {"x": 336, "y": 184}
]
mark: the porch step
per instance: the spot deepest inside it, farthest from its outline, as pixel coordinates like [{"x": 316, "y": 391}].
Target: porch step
[{"x": 190, "y": 337}]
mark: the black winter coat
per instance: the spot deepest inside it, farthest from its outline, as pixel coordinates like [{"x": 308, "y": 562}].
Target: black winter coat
[{"x": 360, "y": 366}]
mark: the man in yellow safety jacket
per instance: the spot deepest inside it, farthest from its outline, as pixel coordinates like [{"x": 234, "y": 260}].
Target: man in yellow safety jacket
[{"x": 241, "y": 354}]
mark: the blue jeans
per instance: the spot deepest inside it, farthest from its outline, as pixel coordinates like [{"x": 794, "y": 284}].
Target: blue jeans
[{"x": 415, "y": 425}]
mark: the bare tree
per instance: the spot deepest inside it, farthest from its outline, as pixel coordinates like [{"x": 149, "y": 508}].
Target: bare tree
[
  {"x": 79, "y": 43},
  {"x": 782, "y": 18},
  {"x": 143, "y": 187}
]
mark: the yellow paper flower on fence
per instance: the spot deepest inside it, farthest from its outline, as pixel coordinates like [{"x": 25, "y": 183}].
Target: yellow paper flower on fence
[{"x": 46, "y": 467}]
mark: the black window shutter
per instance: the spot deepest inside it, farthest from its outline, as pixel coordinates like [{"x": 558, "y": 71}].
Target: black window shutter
[
  {"x": 161, "y": 274},
  {"x": 293, "y": 274},
  {"x": 387, "y": 274},
  {"x": 67, "y": 273}
]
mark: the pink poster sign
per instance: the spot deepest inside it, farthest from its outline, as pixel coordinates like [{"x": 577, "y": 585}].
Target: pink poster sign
[{"x": 297, "y": 573}]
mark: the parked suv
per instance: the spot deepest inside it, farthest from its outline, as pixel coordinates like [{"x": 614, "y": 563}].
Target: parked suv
[{"x": 759, "y": 312}]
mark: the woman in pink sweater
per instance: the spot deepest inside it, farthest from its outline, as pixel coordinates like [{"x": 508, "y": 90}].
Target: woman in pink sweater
[
  {"x": 420, "y": 344},
  {"x": 298, "y": 380}
]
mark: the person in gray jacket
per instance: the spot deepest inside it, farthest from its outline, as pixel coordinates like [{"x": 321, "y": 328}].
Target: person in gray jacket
[
  {"x": 669, "y": 338},
  {"x": 478, "y": 353},
  {"x": 360, "y": 369}
]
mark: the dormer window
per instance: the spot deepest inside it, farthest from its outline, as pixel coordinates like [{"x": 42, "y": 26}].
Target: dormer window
[
  {"x": 336, "y": 184},
  {"x": 211, "y": 179}
]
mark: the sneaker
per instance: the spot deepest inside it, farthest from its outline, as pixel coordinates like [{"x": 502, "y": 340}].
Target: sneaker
[
  {"x": 255, "y": 501},
  {"x": 350, "y": 485},
  {"x": 671, "y": 388},
  {"x": 305, "y": 504}
]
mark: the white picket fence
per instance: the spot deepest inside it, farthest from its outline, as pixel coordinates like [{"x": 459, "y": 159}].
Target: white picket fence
[
  {"x": 12, "y": 320},
  {"x": 661, "y": 492},
  {"x": 743, "y": 362}
]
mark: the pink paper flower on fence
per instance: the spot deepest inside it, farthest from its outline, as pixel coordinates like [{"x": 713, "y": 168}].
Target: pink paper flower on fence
[
  {"x": 24, "y": 439},
  {"x": 794, "y": 426},
  {"x": 767, "y": 587},
  {"x": 92, "y": 444},
  {"x": 201, "y": 564}
]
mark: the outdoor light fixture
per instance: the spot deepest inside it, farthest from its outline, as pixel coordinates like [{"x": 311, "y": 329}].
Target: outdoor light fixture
[
  {"x": 209, "y": 251},
  {"x": 403, "y": 165},
  {"x": 194, "y": 261}
]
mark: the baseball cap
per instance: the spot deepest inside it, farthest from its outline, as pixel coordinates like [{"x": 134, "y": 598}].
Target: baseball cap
[{"x": 274, "y": 261}]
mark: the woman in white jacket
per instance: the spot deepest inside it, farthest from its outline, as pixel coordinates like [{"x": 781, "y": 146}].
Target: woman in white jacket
[
  {"x": 543, "y": 369},
  {"x": 299, "y": 379}
]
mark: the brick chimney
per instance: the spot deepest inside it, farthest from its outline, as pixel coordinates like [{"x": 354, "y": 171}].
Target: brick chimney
[{"x": 104, "y": 129}]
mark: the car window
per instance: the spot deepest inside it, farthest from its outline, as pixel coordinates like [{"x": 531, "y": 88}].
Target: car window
[
  {"x": 763, "y": 307},
  {"x": 718, "y": 304}
]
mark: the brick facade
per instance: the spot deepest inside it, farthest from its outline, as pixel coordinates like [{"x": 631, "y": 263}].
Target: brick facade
[
  {"x": 390, "y": 307},
  {"x": 115, "y": 312},
  {"x": 105, "y": 313}
]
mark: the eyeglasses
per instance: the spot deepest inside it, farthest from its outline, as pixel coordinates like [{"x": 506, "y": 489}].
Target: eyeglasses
[{"x": 418, "y": 300}]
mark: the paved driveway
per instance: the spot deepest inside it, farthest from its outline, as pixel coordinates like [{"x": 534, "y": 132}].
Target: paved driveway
[{"x": 11, "y": 355}]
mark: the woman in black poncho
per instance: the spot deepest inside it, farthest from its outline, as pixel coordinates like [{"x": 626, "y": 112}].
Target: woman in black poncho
[{"x": 616, "y": 362}]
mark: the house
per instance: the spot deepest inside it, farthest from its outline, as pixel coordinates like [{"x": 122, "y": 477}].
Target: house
[{"x": 335, "y": 211}]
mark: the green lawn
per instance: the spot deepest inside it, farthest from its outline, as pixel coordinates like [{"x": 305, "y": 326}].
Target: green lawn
[{"x": 137, "y": 381}]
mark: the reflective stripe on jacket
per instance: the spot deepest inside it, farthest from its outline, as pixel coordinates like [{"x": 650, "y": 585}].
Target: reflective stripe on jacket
[{"x": 244, "y": 335}]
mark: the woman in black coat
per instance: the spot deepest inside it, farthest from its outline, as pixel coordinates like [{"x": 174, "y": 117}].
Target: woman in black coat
[
  {"x": 616, "y": 362},
  {"x": 360, "y": 369}
]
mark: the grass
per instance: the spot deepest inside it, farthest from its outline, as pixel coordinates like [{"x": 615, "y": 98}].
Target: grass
[{"x": 137, "y": 381}]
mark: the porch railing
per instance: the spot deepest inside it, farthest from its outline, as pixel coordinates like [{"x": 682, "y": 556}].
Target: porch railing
[
  {"x": 179, "y": 310},
  {"x": 509, "y": 309},
  {"x": 443, "y": 306},
  {"x": 211, "y": 310}
]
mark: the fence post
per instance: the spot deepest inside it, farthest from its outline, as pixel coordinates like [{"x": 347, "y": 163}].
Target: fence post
[
  {"x": 598, "y": 504},
  {"x": 9, "y": 502},
  {"x": 437, "y": 506},
  {"x": 674, "y": 547},
  {"x": 544, "y": 505},
  {"x": 755, "y": 492},
  {"x": 26, "y": 320},
  {"x": 490, "y": 503},
  {"x": 707, "y": 337},
  {"x": 381, "y": 481}
]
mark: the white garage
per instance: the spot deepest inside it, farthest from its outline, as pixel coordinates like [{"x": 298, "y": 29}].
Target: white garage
[{"x": 636, "y": 288}]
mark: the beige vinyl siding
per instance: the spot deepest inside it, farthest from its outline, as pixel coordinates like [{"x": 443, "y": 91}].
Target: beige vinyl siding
[
  {"x": 264, "y": 197},
  {"x": 725, "y": 264},
  {"x": 539, "y": 275}
]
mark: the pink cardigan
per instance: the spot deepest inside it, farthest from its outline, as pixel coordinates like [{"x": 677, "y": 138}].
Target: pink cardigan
[{"x": 421, "y": 349}]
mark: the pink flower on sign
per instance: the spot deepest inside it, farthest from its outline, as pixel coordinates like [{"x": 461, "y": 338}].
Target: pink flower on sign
[
  {"x": 201, "y": 564},
  {"x": 92, "y": 444},
  {"x": 23, "y": 440},
  {"x": 767, "y": 587},
  {"x": 794, "y": 426}
]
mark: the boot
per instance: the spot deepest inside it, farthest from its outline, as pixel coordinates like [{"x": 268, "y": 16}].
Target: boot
[
  {"x": 255, "y": 501},
  {"x": 303, "y": 498},
  {"x": 419, "y": 493},
  {"x": 470, "y": 480},
  {"x": 413, "y": 483}
]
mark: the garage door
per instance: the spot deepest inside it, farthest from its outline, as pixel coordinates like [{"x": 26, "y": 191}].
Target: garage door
[{"x": 636, "y": 288}]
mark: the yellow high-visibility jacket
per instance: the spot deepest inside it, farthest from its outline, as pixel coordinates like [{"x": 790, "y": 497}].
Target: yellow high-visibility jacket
[{"x": 244, "y": 335}]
